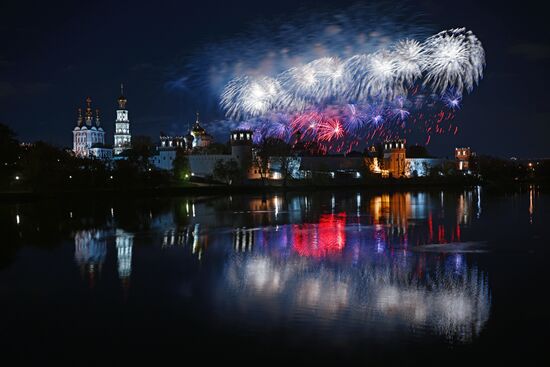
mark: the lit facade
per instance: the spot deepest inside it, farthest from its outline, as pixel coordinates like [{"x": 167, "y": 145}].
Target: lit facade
[
  {"x": 395, "y": 158},
  {"x": 200, "y": 138},
  {"x": 462, "y": 156},
  {"x": 89, "y": 136},
  {"x": 122, "y": 137},
  {"x": 202, "y": 165}
]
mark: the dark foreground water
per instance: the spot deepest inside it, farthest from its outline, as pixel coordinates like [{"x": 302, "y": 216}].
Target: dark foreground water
[{"x": 438, "y": 277}]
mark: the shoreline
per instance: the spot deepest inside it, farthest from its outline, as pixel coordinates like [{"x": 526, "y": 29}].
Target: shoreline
[{"x": 216, "y": 190}]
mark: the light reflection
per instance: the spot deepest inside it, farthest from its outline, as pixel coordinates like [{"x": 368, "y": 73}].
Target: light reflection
[
  {"x": 189, "y": 236},
  {"x": 243, "y": 239},
  {"x": 90, "y": 251},
  {"x": 381, "y": 293},
  {"x": 531, "y": 203},
  {"x": 478, "y": 201},
  {"x": 338, "y": 270},
  {"x": 323, "y": 266},
  {"x": 124, "y": 243},
  {"x": 321, "y": 239}
]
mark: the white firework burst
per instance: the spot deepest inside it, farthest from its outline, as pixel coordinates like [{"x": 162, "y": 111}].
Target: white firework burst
[
  {"x": 247, "y": 97},
  {"x": 410, "y": 58},
  {"x": 381, "y": 74},
  {"x": 455, "y": 59},
  {"x": 315, "y": 81},
  {"x": 452, "y": 60}
]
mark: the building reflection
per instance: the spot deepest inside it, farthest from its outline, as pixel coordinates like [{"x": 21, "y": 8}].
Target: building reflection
[
  {"x": 243, "y": 239},
  {"x": 124, "y": 243},
  {"x": 189, "y": 236},
  {"x": 418, "y": 218},
  {"x": 90, "y": 253},
  {"x": 328, "y": 258}
]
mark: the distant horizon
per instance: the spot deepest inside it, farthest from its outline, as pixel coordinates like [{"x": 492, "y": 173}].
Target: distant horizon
[{"x": 156, "y": 140}]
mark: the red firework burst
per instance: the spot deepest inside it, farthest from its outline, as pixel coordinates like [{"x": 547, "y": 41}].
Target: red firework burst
[{"x": 330, "y": 129}]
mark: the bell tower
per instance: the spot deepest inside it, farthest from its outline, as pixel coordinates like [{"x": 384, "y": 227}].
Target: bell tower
[
  {"x": 395, "y": 157},
  {"x": 123, "y": 138}
]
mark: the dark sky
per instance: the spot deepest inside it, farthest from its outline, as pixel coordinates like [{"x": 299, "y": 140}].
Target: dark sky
[{"x": 55, "y": 54}]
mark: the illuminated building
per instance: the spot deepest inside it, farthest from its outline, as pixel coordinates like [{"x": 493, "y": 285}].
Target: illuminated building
[
  {"x": 192, "y": 142},
  {"x": 462, "y": 156},
  {"x": 202, "y": 165},
  {"x": 88, "y": 135},
  {"x": 122, "y": 137},
  {"x": 200, "y": 138},
  {"x": 394, "y": 158}
]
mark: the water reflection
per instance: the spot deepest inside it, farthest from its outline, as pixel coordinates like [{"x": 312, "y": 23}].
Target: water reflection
[
  {"x": 124, "y": 243},
  {"x": 89, "y": 253},
  {"x": 333, "y": 264},
  {"x": 381, "y": 292}
]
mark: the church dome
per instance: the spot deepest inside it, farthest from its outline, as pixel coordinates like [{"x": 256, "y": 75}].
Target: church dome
[
  {"x": 189, "y": 138},
  {"x": 198, "y": 129}
]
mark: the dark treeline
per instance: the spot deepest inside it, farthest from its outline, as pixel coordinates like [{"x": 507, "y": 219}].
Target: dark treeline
[{"x": 43, "y": 167}]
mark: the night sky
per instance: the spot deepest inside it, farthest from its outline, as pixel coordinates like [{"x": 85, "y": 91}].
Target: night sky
[{"x": 54, "y": 54}]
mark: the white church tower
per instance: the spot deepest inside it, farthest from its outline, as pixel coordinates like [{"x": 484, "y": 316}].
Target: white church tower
[{"x": 123, "y": 139}]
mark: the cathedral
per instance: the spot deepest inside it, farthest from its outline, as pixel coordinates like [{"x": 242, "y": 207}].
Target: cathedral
[
  {"x": 89, "y": 136},
  {"x": 200, "y": 138}
]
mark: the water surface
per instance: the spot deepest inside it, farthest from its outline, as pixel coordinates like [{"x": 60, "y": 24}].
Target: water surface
[{"x": 356, "y": 276}]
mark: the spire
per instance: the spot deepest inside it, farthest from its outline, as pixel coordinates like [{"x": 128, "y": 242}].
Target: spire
[
  {"x": 97, "y": 117},
  {"x": 197, "y": 129},
  {"x": 79, "y": 117},
  {"x": 122, "y": 100},
  {"x": 197, "y": 123},
  {"x": 88, "y": 111}
]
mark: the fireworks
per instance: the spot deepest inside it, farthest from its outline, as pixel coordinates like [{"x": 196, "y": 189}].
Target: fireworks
[
  {"x": 452, "y": 99},
  {"x": 329, "y": 129},
  {"x": 410, "y": 61},
  {"x": 456, "y": 60},
  {"x": 250, "y": 96},
  {"x": 366, "y": 95}
]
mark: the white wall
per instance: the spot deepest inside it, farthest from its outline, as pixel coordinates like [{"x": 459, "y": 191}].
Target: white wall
[{"x": 202, "y": 165}]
